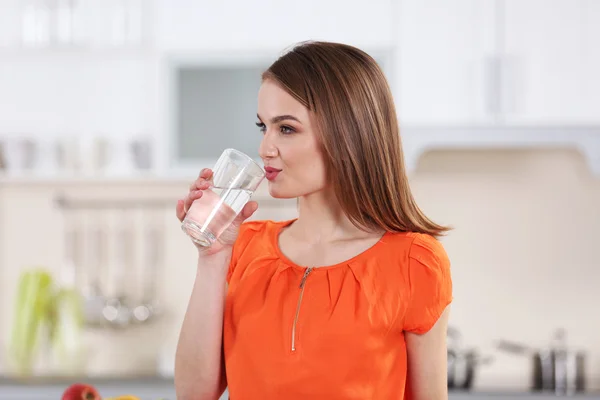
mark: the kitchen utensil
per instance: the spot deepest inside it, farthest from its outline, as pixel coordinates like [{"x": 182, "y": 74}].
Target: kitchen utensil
[
  {"x": 117, "y": 310},
  {"x": 108, "y": 287},
  {"x": 19, "y": 154},
  {"x": 554, "y": 368},
  {"x": 73, "y": 248},
  {"x": 141, "y": 150},
  {"x": 542, "y": 363},
  {"x": 94, "y": 299},
  {"x": 567, "y": 370},
  {"x": 153, "y": 259},
  {"x": 462, "y": 362},
  {"x": 47, "y": 161},
  {"x": 462, "y": 370},
  {"x": 120, "y": 158}
]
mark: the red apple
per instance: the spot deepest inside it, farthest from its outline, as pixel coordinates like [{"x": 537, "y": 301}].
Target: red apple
[{"x": 81, "y": 391}]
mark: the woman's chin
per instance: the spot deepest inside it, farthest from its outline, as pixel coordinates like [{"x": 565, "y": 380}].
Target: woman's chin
[{"x": 277, "y": 192}]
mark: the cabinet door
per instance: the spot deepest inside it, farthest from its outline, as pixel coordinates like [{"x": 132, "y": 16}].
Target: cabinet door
[
  {"x": 549, "y": 48},
  {"x": 445, "y": 50},
  {"x": 591, "y": 63},
  {"x": 267, "y": 24}
]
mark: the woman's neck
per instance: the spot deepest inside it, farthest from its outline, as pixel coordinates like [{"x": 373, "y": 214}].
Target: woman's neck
[{"x": 321, "y": 219}]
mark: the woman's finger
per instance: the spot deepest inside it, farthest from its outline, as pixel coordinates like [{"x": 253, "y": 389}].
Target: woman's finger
[
  {"x": 179, "y": 211},
  {"x": 190, "y": 198},
  {"x": 200, "y": 184},
  {"x": 249, "y": 209},
  {"x": 206, "y": 173}
]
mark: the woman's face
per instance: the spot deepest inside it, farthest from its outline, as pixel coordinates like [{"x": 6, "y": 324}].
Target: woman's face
[{"x": 289, "y": 148}]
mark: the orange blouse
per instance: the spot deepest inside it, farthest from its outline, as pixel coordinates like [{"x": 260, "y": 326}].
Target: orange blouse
[{"x": 332, "y": 332}]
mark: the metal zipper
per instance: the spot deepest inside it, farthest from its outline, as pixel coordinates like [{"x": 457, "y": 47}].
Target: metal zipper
[{"x": 302, "y": 284}]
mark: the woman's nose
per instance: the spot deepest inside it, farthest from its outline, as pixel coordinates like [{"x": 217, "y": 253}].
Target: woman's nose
[{"x": 267, "y": 148}]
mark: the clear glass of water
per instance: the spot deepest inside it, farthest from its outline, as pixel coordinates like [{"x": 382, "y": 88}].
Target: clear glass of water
[{"x": 235, "y": 178}]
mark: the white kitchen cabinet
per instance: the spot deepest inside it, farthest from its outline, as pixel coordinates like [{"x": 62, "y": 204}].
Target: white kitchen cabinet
[
  {"x": 511, "y": 62},
  {"x": 591, "y": 36},
  {"x": 445, "y": 49},
  {"x": 550, "y": 62},
  {"x": 53, "y": 92},
  {"x": 480, "y": 74},
  {"x": 268, "y": 24}
]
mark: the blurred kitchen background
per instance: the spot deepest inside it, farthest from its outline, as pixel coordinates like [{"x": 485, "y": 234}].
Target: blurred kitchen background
[{"x": 109, "y": 108}]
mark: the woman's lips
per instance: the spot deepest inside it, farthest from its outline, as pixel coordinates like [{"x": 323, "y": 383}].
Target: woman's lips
[{"x": 271, "y": 173}]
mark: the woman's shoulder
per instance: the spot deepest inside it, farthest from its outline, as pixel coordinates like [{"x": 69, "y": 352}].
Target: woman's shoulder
[
  {"x": 255, "y": 242},
  {"x": 414, "y": 245},
  {"x": 426, "y": 248},
  {"x": 416, "y": 255},
  {"x": 255, "y": 228},
  {"x": 255, "y": 232}
]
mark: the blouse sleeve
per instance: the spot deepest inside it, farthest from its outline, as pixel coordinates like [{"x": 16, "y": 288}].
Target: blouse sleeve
[{"x": 430, "y": 284}]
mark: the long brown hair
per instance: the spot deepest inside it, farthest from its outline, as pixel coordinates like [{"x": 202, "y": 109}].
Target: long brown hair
[{"x": 355, "y": 116}]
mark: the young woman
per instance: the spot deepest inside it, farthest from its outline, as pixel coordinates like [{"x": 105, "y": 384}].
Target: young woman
[{"x": 349, "y": 300}]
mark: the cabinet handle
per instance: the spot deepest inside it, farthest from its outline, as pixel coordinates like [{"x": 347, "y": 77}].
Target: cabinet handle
[
  {"x": 510, "y": 70},
  {"x": 492, "y": 89}
]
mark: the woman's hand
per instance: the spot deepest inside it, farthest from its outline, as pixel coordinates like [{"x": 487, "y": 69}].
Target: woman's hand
[{"x": 228, "y": 237}]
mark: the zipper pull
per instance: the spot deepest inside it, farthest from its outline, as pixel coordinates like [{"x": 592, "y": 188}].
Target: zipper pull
[{"x": 306, "y": 272}]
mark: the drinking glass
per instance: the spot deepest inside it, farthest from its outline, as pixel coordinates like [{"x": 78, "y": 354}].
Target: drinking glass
[{"x": 235, "y": 178}]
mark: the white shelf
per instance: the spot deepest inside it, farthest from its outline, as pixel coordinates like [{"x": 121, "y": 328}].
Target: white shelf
[
  {"x": 62, "y": 179},
  {"x": 416, "y": 142},
  {"x": 419, "y": 140}
]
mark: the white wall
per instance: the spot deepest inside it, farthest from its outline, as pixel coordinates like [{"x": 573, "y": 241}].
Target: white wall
[{"x": 524, "y": 251}]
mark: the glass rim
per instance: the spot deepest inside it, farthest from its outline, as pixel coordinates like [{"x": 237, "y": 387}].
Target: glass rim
[{"x": 248, "y": 158}]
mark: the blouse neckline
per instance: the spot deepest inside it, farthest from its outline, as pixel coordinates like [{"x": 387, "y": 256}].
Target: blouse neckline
[{"x": 364, "y": 254}]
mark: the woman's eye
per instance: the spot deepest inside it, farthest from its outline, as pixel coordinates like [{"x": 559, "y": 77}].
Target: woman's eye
[
  {"x": 261, "y": 126},
  {"x": 286, "y": 129}
]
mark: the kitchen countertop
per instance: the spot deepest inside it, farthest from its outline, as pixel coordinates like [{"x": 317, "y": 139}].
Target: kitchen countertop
[
  {"x": 47, "y": 388},
  {"x": 154, "y": 388}
]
